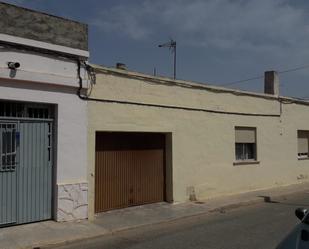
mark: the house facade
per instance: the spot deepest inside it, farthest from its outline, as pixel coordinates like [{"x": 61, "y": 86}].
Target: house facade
[
  {"x": 43, "y": 122},
  {"x": 78, "y": 139},
  {"x": 155, "y": 139}
]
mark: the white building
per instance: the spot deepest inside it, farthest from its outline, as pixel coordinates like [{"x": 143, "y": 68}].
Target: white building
[{"x": 43, "y": 122}]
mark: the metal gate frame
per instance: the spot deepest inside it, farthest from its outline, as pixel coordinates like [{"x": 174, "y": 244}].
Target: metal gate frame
[
  {"x": 8, "y": 173},
  {"x": 17, "y": 119}
]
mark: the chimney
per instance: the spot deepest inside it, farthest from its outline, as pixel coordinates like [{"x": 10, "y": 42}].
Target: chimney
[
  {"x": 121, "y": 66},
  {"x": 271, "y": 83}
]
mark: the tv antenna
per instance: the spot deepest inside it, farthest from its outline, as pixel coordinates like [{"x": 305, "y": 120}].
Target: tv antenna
[{"x": 172, "y": 46}]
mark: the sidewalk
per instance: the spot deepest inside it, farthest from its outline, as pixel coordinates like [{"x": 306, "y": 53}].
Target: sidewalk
[{"x": 50, "y": 232}]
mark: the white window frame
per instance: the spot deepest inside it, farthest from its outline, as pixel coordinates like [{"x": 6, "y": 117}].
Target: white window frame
[
  {"x": 244, "y": 156},
  {"x": 245, "y": 152},
  {"x": 302, "y": 155}
]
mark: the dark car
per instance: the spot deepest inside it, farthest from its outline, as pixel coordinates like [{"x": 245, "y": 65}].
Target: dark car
[{"x": 298, "y": 238}]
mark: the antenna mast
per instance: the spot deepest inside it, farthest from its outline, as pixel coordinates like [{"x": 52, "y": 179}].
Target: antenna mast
[{"x": 172, "y": 46}]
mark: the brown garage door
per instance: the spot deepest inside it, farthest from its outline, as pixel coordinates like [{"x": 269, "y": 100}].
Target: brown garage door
[{"x": 129, "y": 169}]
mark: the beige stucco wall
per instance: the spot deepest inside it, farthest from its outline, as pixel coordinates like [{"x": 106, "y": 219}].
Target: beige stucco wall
[{"x": 203, "y": 143}]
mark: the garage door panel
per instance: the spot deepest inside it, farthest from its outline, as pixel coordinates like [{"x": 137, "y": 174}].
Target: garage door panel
[
  {"x": 127, "y": 177},
  {"x": 152, "y": 180},
  {"x": 112, "y": 187}
]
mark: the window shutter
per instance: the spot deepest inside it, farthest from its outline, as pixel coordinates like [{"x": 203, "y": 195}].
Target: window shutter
[
  {"x": 303, "y": 141},
  {"x": 244, "y": 135}
]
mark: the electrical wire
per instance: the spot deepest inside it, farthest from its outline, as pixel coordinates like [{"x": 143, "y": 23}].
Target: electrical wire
[
  {"x": 91, "y": 71},
  {"x": 194, "y": 86},
  {"x": 87, "y": 97},
  {"x": 294, "y": 69},
  {"x": 261, "y": 77},
  {"x": 242, "y": 81},
  {"x": 178, "y": 107}
]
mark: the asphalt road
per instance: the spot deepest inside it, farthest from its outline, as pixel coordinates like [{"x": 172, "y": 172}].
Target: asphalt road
[{"x": 259, "y": 226}]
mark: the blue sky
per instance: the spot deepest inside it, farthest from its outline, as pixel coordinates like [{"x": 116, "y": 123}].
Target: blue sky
[{"x": 218, "y": 41}]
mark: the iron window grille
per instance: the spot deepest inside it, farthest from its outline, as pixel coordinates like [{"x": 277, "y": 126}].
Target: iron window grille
[
  {"x": 13, "y": 109},
  {"x": 8, "y": 146}
]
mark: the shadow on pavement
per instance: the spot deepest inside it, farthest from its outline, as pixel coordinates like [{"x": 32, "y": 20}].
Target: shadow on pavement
[{"x": 267, "y": 199}]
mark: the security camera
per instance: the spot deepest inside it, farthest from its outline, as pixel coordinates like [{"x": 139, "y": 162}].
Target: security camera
[{"x": 13, "y": 65}]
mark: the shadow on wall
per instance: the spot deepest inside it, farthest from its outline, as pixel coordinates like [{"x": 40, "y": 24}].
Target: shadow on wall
[
  {"x": 12, "y": 73},
  {"x": 37, "y": 86}
]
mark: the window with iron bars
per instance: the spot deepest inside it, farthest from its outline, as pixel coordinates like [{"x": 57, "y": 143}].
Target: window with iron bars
[
  {"x": 8, "y": 145},
  {"x": 25, "y": 110}
]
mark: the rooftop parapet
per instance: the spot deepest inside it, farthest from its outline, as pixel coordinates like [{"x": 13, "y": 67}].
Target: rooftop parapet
[{"x": 28, "y": 24}]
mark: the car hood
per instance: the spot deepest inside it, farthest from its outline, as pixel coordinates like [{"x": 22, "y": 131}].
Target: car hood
[{"x": 293, "y": 239}]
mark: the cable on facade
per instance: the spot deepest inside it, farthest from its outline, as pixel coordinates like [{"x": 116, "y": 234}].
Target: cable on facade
[
  {"x": 180, "y": 107},
  {"x": 87, "y": 97},
  {"x": 91, "y": 75},
  {"x": 80, "y": 80},
  {"x": 195, "y": 86}
]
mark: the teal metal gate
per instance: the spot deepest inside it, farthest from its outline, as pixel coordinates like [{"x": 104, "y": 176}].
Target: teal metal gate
[
  {"x": 25, "y": 169},
  {"x": 8, "y": 162}
]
